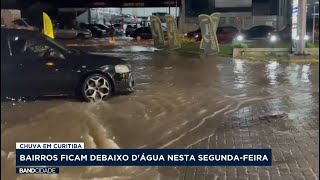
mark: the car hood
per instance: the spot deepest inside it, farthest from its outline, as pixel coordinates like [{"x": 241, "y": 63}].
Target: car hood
[{"x": 95, "y": 61}]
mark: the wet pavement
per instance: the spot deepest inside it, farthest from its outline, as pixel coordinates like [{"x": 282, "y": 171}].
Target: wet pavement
[{"x": 183, "y": 101}]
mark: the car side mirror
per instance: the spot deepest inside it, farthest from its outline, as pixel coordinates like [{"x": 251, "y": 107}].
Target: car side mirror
[{"x": 52, "y": 53}]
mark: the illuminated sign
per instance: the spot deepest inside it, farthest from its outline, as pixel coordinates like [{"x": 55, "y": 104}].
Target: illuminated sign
[{"x": 138, "y": 4}]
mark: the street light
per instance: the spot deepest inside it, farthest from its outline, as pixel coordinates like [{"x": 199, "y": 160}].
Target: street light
[{"x": 314, "y": 20}]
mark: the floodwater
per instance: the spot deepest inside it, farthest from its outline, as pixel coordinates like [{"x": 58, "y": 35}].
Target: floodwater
[{"x": 179, "y": 100}]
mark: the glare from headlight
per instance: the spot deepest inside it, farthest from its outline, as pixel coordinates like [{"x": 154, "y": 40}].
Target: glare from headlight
[
  {"x": 239, "y": 38},
  {"x": 306, "y": 38},
  {"x": 273, "y": 38},
  {"x": 122, "y": 69},
  {"x": 197, "y": 36},
  {"x": 185, "y": 34}
]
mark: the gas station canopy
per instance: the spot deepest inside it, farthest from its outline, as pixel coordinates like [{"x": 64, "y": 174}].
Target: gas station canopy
[
  {"x": 134, "y": 3},
  {"x": 20, "y": 4}
]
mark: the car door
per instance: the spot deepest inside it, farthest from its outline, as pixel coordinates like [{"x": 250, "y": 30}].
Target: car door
[
  {"x": 8, "y": 85},
  {"x": 146, "y": 33},
  {"x": 35, "y": 70},
  {"x": 58, "y": 75},
  {"x": 136, "y": 33}
]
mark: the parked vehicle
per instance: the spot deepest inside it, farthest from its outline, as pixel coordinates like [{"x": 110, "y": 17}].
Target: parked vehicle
[
  {"x": 103, "y": 27},
  {"x": 119, "y": 29},
  {"x": 125, "y": 19},
  {"x": 95, "y": 30},
  {"x": 196, "y": 35},
  {"x": 130, "y": 28},
  {"x": 142, "y": 32},
  {"x": 258, "y": 32},
  {"x": 34, "y": 65},
  {"x": 72, "y": 33},
  {"x": 146, "y": 33},
  {"x": 224, "y": 34}
]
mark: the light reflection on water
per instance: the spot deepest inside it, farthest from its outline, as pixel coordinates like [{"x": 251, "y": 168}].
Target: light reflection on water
[
  {"x": 179, "y": 100},
  {"x": 272, "y": 72}
]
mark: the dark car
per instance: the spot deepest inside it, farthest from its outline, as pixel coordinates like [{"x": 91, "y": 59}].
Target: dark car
[
  {"x": 72, "y": 33},
  {"x": 258, "y": 32},
  {"x": 130, "y": 28},
  {"x": 108, "y": 29},
  {"x": 194, "y": 35},
  {"x": 146, "y": 33},
  {"x": 142, "y": 32},
  {"x": 33, "y": 65},
  {"x": 95, "y": 30},
  {"x": 224, "y": 34}
]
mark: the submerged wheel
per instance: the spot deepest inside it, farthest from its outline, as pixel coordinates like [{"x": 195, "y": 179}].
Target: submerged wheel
[{"x": 96, "y": 87}]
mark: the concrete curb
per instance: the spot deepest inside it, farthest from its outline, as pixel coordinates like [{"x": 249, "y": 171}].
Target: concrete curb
[
  {"x": 303, "y": 61},
  {"x": 240, "y": 52},
  {"x": 288, "y": 61}
]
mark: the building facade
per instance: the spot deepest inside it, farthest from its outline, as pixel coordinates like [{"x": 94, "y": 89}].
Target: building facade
[{"x": 242, "y": 14}]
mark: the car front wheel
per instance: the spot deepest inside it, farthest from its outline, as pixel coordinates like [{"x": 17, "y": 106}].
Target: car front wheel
[{"x": 96, "y": 87}]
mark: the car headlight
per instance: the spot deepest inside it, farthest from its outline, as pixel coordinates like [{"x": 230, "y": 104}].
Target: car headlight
[
  {"x": 122, "y": 69},
  {"x": 240, "y": 38},
  {"x": 197, "y": 36},
  {"x": 273, "y": 38}
]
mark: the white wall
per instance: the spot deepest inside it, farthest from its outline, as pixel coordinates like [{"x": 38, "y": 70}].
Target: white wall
[
  {"x": 149, "y": 11},
  {"x": 233, "y": 3},
  {"x": 98, "y": 14},
  {"x": 82, "y": 18}
]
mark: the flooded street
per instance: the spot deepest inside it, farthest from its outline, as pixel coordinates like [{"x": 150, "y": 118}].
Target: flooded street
[{"x": 182, "y": 101}]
